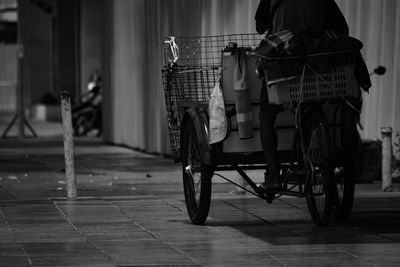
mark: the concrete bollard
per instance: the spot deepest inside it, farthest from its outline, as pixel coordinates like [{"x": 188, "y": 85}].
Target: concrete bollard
[
  {"x": 240, "y": 181},
  {"x": 386, "y": 159},
  {"x": 68, "y": 145}
]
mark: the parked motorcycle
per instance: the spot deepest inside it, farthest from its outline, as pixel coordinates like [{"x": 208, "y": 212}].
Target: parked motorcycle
[{"x": 86, "y": 114}]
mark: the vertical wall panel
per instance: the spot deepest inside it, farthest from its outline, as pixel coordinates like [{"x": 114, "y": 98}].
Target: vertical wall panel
[
  {"x": 396, "y": 72},
  {"x": 156, "y": 126},
  {"x": 128, "y": 84},
  {"x": 8, "y": 78},
  {"x": 90, "y": 47}
]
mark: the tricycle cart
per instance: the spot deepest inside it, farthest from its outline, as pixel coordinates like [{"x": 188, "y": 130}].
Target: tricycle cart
[{"x": 313, "y": 132}]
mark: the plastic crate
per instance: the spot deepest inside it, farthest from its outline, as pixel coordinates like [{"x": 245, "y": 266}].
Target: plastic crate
[{"x": 337, "y": 83}]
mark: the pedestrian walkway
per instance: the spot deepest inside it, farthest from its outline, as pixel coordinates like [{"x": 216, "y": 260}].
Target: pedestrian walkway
[{"x": 130, "y": 211}]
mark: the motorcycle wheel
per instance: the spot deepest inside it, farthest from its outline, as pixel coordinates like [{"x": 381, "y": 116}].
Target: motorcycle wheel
[{"x": 82, "y": 126}]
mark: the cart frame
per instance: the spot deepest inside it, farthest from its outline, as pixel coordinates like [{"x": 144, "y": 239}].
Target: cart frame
[{"x": 188, "y": 82}]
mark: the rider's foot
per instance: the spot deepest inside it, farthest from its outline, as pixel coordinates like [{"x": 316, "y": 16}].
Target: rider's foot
[
  {"x": 271, "y": 183},
  {"x": 271, "y": 186}
]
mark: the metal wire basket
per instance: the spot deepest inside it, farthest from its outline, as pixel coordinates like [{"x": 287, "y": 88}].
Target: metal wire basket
[{"x": 190, "y": 79}]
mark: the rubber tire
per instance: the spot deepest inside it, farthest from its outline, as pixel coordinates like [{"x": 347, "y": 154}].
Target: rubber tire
[
  {"x": 82, "y": 126},
  {"x": 197, "y": 199},
  {"x": 349, "y": 151},
  {"x": 318, "y": 135}
]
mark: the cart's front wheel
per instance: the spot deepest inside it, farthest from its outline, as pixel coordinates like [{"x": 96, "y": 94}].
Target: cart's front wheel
[
  {"x": 196, "y": 176},
  {"x": 319, "y": 185}
]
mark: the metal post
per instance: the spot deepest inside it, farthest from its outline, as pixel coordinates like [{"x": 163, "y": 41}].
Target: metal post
[
  {"x": 20, "y": 73},
  {"x": 386, "y": 159},
  {"x": 240, "y": 181},
  {"x": 68, "y": 145}
]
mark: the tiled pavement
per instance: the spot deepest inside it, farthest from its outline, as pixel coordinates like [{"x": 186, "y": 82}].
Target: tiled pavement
[{"x": 130, "y": 212}]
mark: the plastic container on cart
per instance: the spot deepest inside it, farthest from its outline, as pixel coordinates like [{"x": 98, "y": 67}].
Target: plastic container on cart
[{"x": 338, "y": 82}]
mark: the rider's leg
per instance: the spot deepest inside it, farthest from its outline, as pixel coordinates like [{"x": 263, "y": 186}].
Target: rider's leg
[
  {"x": 269, "y": 140},
  {"x": 350, "y": 137}
]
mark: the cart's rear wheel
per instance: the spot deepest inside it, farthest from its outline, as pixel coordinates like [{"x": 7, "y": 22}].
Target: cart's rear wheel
[
  {"x": 196, "y": 176},
  {"x": 319, "y": 169},
  {"x": 345, "y": 167},
  {"x": 344, "y": 191}
]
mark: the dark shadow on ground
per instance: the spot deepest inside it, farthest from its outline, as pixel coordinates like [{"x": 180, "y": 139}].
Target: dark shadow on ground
[{"x": 373, "y": 220}]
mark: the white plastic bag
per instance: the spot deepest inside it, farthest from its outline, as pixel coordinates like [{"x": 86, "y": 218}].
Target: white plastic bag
[{"x": 216, "y": 112}]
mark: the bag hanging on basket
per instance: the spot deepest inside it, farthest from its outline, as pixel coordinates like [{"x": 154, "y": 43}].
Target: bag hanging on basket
[
  {"x": 216, "y": 112},
  {"x": 244, "y": 112}
]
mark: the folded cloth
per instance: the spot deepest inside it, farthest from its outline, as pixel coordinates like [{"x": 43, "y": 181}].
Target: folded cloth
[
  {"x": 244, "y": 110},
  {"x": 274, "y": 48},
  {"x": 275, "y": 45}
]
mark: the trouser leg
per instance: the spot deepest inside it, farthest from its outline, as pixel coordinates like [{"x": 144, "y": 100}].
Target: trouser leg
[
  {"x": 269, "y": 140},
  {"x": 350, "y": 136}
]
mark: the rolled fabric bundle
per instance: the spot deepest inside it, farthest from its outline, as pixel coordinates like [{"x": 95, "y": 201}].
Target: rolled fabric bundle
[{"x": 244, "y": 112}]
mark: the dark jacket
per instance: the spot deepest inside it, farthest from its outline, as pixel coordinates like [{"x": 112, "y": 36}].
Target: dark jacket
[
  {"x": 302, "y": 17},
  {"x": 299, "y": 15}
]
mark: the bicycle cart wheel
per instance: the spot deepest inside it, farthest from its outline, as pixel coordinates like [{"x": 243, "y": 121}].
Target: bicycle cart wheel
[
  {"x": 196, "y": 176},
  {"x": 344, "y": 191},
  {"x": 345, "y": 166},
  {"x": 319, "y": 170}
]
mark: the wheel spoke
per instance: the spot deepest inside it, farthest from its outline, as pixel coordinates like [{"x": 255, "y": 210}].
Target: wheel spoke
[
  {"x": 314, "y": 158},
  {"x": 196, "y": 176},
  {"x": 346, "y": 154},
  {"x": 339, "y": 179},
  {"x": 319, "y": 173},
  {"x": 192, "y": 169}
]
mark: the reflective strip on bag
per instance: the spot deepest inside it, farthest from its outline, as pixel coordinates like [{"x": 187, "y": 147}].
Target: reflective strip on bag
[{"x": 244, "y": 117}]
